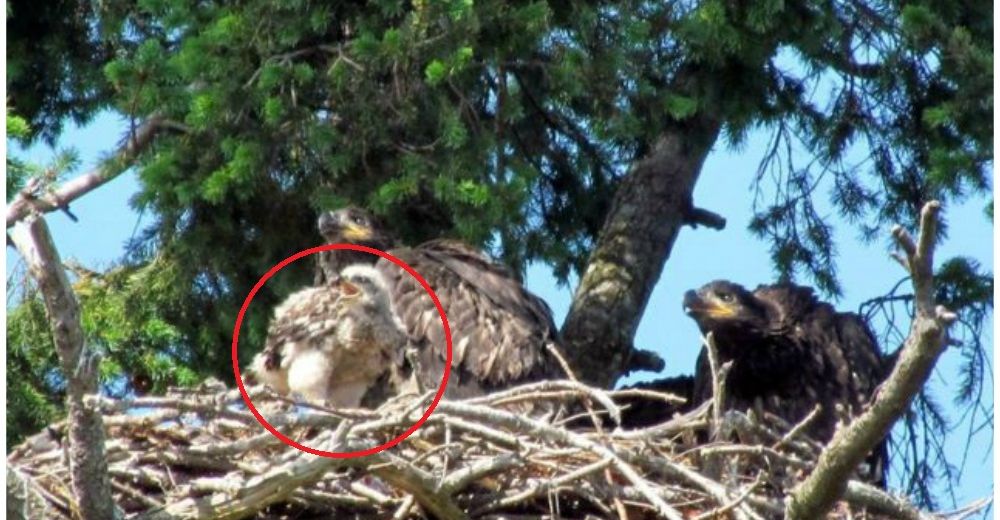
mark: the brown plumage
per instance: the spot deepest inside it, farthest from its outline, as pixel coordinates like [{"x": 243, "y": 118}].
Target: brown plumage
[
  {"x": 789, "y": 352},
  {"x": 499, "y": 329},
  {"x": 333, "y": 343}
]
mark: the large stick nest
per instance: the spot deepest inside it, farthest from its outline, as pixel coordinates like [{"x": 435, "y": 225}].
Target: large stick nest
[{"x": 202, "y": 454}]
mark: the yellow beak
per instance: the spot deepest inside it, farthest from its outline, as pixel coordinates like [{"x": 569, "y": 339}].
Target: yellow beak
[
  {"x": 717, "y": 311},
  {"x": 355, "y": 232}
]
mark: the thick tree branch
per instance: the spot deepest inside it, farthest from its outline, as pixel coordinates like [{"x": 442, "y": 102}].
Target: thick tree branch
[
  {"x": 29, "y": 198},
  {"x": 651, "y": 204},
  {"x": 849, "y": 446},
  {"x": 88, "y": 466},
  {"x": 878, "y": 501}
]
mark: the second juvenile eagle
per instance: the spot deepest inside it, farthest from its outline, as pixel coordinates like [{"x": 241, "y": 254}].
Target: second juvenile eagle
[
  {"x": 789, "y": 353},
  {"x": 499, "y": 329}
]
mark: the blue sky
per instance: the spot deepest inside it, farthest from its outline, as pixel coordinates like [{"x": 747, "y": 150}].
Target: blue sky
[{"x": 699, "y": 255}]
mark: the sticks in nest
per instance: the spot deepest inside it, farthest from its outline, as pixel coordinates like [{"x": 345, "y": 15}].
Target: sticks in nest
[{"x": 204, "y": 455}]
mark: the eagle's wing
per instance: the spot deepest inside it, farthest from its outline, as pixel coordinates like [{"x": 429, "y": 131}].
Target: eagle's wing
[
  {"x": 300, "y": 323},
  {"x": 499, "y": 329},
  {"x": 304, "y": 318},
  {"x": 851, "y": 353},
  {"x": 843, "y": 365}
]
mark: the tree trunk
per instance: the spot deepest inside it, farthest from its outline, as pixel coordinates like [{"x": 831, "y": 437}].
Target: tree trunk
[{"x": 652, "y": 203}]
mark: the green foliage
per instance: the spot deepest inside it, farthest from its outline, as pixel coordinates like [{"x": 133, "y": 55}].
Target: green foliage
[
  {"x": 122, "y": 316},
  {"x": 55, "y": 54},
  {"x": 18, "y": 171},
  {"x": 907, "y": 111},
  {"x": 34, "y": 387},
  {"x": 17, "y": 127}
]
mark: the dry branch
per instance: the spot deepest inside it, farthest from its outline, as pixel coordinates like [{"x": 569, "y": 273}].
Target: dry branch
[
  {"x": 925, "y": 342},
  {"x": 87, "y": 466},
  {"x": 29, "y": 199},
  {"x": 199, "y": 458}
]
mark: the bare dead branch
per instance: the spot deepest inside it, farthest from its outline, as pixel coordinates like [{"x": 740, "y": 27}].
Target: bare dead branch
[
  {"x": 849, "y": 446},
  {"x": 719, "y": 373},
  {"x": 88, "y": 466},
  {"x": 30, "y": 197}
]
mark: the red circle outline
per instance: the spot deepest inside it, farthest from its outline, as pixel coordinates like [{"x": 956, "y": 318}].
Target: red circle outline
[{"x": 337, "y": 454}]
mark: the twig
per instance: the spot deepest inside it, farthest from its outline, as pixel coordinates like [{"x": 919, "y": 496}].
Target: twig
[
  {"x": 544, "y": 486},
  {"x": 724, "y": 509},
  {"x": 546, "y": 431},
  {"x": 460, "y": 478},
  {"x": 693, "y": 420},
  {"x": 600, "y": 396},
  {"x": 650, "y": 394},
  {"x": 719, "y": 373},
  {"x": 797, "y": 430},
  {"x": 404, "y": 509}
]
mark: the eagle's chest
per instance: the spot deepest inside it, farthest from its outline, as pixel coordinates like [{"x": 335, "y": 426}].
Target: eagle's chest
[{"x": 788, "y": 379}]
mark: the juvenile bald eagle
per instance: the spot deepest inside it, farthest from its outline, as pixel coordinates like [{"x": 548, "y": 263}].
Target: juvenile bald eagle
[
  {"x": 789, "y": 352},
  {"x": 499, "y": 329},
  {"x": 333, "y": 343}
]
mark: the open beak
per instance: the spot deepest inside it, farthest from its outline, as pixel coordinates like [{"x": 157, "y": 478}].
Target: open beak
[{"x": 348, "y": 289}]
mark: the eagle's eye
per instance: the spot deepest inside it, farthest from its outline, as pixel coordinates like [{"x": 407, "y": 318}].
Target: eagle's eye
[
  {"x": 726, "y": 297},
  {"x": 357, "y": 219}
]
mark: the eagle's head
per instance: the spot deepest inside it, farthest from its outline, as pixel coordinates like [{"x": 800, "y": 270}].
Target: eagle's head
[
  {"x": 354, "y": 225},
  {"x": 367, "y": 300},
  {"x": 725, "y": 306},
  {"x": 362, "y": 284}
]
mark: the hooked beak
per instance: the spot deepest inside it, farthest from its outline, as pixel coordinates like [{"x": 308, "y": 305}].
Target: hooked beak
[
  {"x": 695, "y": 305},
  {"x": 332, "y": 228}
]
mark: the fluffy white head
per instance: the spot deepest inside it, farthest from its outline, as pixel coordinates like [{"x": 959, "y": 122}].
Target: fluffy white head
[
  {"x": 365, "y": 275},
  {"x": 374, "y": 290}
]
